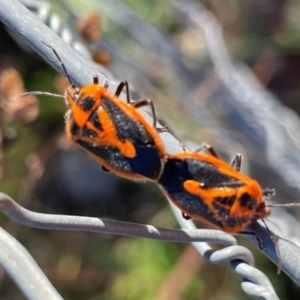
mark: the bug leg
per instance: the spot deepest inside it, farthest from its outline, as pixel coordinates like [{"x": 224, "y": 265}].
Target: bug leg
[
  {"x": 145, "y": 102},
  {"x": 208, "y": 148},
  {"x": 185, "y": 216},
  {"x": 123, "y": 84},
  {"x": 96, "y": 79},
  {"x": 184, "y": 148},
  {"x": 236, "y": 162},
  {"x": 139, "y": 103}
]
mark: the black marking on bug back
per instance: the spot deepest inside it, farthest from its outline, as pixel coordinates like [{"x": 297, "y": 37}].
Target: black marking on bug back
[
  {"x": 74, "y": 129},
  {"x": 223, "y": 205},
  {"x": 89, "y": 133},
  {"x": 126, "y": 128},
  {"x": 224, "y": 212},
  {"x": 177, "y": 171},
  {"x": 209, "y": 176},
  {"x": 109, "y": 154},
  {"x": 87, "y": 103},
  {"x": 225, "y": 201},
  {"x": 235, "y": 221},
  {"x": 94, "y": 119},
  {"x": 193, "y": 205},
  {"x": 147, "y": 161}
]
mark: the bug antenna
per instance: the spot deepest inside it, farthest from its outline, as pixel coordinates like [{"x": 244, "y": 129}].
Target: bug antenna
[
  {"x": 37, "y": 93},
  {"x": 62, "y": 64},
  {"x": 283, "y": 205}
]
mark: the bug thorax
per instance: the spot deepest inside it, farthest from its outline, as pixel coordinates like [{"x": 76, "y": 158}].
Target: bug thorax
[{"x": 83, "y": 102}]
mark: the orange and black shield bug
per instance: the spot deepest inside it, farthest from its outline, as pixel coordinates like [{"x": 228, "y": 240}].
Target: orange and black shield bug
[
  {"x": 208, "y": 189},
  {"x": 113, "y": 131}
]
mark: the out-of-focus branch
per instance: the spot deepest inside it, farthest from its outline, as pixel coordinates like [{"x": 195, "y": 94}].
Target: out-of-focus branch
[{"x": 20, "y": 265}]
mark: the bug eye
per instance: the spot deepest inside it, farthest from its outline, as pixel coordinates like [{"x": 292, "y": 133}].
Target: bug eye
[{"x": 247, "y": 201}]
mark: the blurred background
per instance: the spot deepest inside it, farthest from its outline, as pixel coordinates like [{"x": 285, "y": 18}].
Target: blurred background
[{"x": 166, "y": 58}]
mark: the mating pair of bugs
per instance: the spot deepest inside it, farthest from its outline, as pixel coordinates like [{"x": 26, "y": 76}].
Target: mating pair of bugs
[{"x": 118, "y": 136}]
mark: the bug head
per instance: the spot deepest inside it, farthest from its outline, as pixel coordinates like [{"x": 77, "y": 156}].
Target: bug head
[
  {"x": 251, "y": 203},
  {"x": 263, "y": 210},
  {"x": 86, "y": 98},
  {"x": 83, "y": 102}
]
